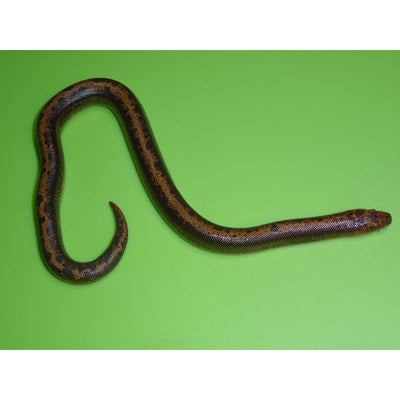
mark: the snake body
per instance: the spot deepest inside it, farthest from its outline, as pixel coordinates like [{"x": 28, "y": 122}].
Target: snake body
[{"x": 161, "y": 189}]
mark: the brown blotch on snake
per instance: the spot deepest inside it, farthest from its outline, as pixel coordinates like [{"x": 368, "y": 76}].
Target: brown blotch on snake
[{"x": 161, "y": 189}]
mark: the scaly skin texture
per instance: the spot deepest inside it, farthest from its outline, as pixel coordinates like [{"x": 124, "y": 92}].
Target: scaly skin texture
[{"x": 162, "y": 191}]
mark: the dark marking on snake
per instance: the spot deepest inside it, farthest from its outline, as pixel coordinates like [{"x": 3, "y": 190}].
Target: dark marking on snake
[{"x": 160, "y": 188}]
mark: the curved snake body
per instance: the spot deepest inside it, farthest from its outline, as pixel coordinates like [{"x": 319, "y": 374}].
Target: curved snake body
[{"x": 161, "y": 189}]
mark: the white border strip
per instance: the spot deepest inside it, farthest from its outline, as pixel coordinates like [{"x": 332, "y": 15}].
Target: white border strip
[
  {"x": 199, "y": 375},
  {"x": 216, "y": 24}
]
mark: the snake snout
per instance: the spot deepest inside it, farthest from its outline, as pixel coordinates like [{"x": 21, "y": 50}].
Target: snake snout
[{"x": 378, "y": 220}]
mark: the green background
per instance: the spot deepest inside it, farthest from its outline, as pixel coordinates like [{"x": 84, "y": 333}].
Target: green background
[{"x": 249, "y": 138}]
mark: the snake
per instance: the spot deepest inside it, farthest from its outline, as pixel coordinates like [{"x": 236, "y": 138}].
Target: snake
[{"x": 161, "y": 189}]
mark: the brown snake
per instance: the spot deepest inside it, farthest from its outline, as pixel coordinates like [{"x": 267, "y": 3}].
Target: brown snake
[{"x": 161, "y": 189}]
